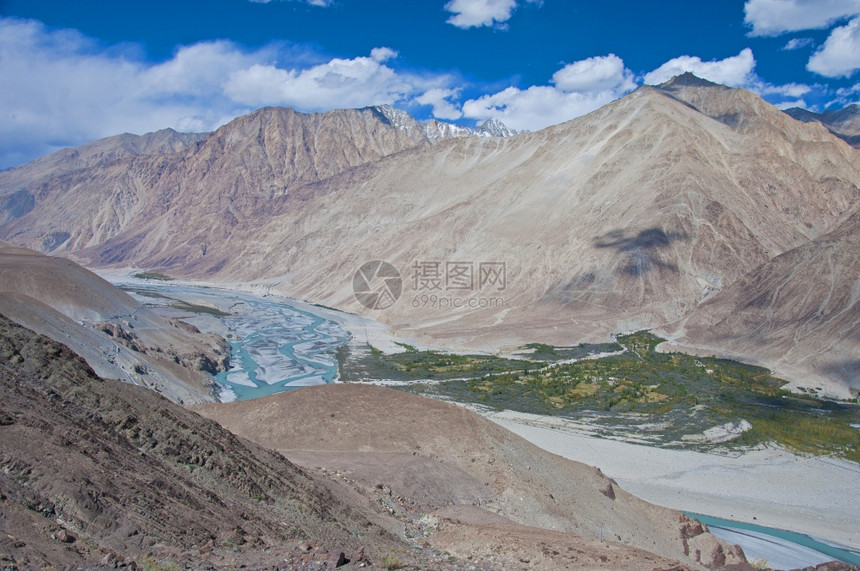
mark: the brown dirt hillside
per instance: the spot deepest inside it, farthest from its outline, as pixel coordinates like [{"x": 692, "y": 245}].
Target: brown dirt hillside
[
  {"x": 422, "y": 455},
  {"x": 96, "y": 473},
  {"x": 117, "y": 336},
  {"x": 799, "y": 312}
]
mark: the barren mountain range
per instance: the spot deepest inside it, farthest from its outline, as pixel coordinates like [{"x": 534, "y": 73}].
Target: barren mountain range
[
  {"x": 844, "y": 123},
  {"x": 643, "y": 214}
]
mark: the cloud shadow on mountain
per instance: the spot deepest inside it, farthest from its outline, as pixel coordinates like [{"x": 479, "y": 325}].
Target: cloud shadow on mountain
[{"x": 641, "y": 250}]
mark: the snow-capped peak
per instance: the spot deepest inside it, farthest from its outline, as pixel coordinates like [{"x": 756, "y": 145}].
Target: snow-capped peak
[{"x": 434, "y": 130}]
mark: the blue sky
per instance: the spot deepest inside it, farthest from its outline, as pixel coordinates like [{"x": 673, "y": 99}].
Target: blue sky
[{"x": 73, "y": 72}]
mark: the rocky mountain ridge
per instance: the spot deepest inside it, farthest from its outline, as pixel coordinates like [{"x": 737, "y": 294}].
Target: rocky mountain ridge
[
  {"x": 844, "y": 123},
  {"x": 435, "y": 130},
  {"x": 627, "y": 218}
]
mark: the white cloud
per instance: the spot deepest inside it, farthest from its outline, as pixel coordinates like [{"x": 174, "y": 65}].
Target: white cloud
[
  {"x": 477, "y": 13},
  {"x": 440, "y": 100},
  {"x": 59, "y": 90},
  {"x": 382, "y": 54},
  {"x": 791, "y": 104},
  {"x": 320, "y": 3},
  {"x": 788, "y": 90},
  {"x": 840, "y": 54},
  {"x": 851, "y": 91},
  {"x": 797, "y": 43},
  {"x": 62, "y": 89},
  {"x": 199, "y": 69},
  {"x": 776, "y": 17},
  {"x": 534, "y": 108},
  {"x": 594, "y": 74},
  {"x": 845, "y": 96},
  {"x": 580, "y": 87},
  {"x": 735, "y": 71},
  {"x": 356, "y": 82}
]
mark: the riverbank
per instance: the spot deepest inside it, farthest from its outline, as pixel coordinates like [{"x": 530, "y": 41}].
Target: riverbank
[{"x": 772, "y": 487}]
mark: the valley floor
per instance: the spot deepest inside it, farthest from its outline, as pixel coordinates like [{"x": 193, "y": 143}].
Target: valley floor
[
  {"x": 769, "y": 486},
  {"x": 814, "y": 495}
]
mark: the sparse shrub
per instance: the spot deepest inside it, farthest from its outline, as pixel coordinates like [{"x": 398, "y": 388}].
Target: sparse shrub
[
  {"x": 147, "y": 563},
  {"x": 390, "y": 562}
]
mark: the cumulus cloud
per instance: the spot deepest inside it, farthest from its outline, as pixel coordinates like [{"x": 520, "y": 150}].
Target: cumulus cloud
[
  {"x": 63, "y": 89},
  {"x": 441, "y": 101},
  {"x": 790, "y": 104},
  {"x": 477, "y": 13},
  {"x": 198, "y": 70},
  {"x": 356, "y": 82},
  {"x": 60, "y": 90},
  {"x": 735, "y": 71},
  {"x": 796, "y": 90},
  {"x": 579, "y": 88},
  {"x": 594, "y": 74},
  {"x": 382, "y": 54},
  {"x": 776, "y": 17},
  {"x": 840, "y": 54}
]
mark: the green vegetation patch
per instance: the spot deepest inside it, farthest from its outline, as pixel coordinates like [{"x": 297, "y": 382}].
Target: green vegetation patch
[
  {"x": 144, "y": 292},
  {"x": 196, "y": 308},
  {"x": 668, "y": 399},
  {"x": 414, "y": 364},
  {"x": 148, "y": 275}
]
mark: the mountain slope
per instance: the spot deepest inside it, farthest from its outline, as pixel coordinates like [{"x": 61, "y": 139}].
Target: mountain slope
[
  {"x": 624, "y": 219},
  {"x": 627, "y": 218},
  {"x": 115, "y": 334},
  {"x": 242, "y": 171},
  {"x": 97, "y": 472},
  {"x": 231, "y": 177},
  {"x": 799, "y": 313},
  {"x": 844, "y": 123},
  {"x": 441, "y": 459}
]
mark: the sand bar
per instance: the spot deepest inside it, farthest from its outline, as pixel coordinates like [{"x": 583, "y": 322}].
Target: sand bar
[{"x": 818, "y": 496}]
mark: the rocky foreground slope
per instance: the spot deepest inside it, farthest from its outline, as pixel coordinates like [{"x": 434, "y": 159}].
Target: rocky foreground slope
[
  {"x": 437, "y": 465},
  {"x": 97, "y": 473},
  {"x": 630, "y": 217},
  {"x": 117, "y": 336}
]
